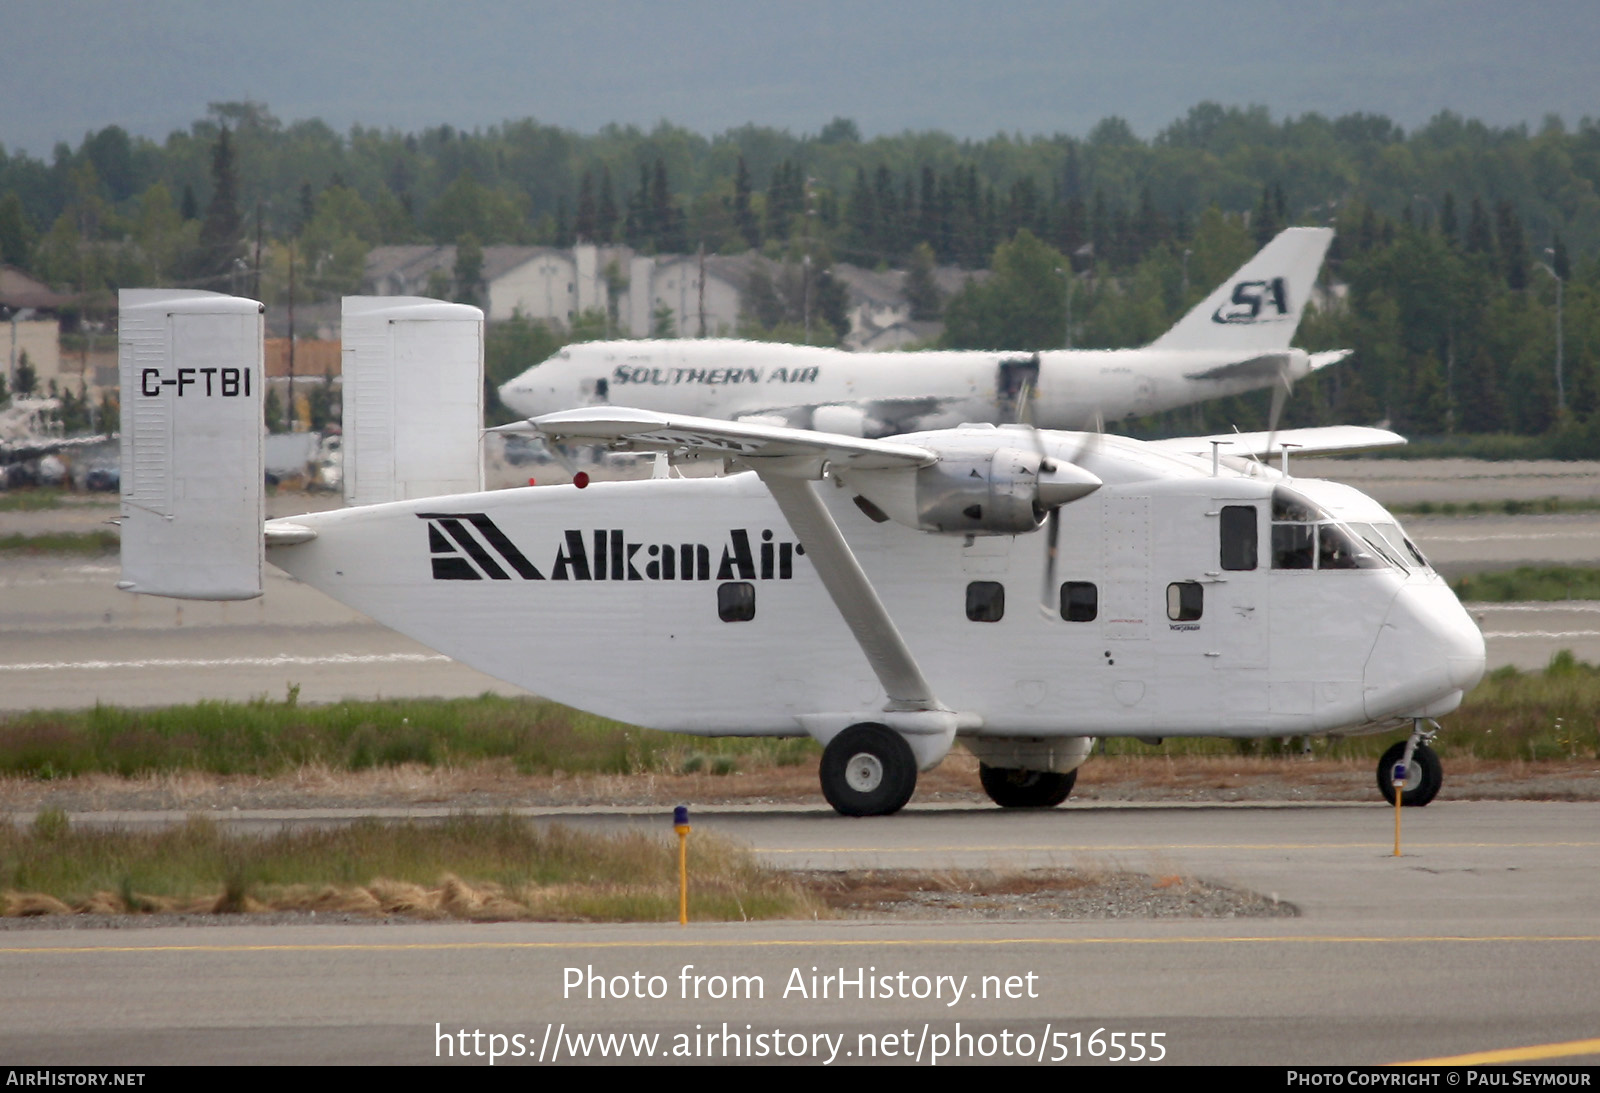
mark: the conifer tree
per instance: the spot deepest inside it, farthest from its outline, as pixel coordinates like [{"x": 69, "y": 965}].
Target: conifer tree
[
  {"x": 220, "y": 232},
  {"x": 605, "y": 221}
]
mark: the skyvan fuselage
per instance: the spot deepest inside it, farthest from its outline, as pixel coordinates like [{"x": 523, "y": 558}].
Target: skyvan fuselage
[{"x": 1241, "y": 604}]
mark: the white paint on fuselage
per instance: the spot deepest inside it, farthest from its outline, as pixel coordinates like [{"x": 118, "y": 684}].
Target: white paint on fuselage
[
  {"x": 900, "y": 392},
  {"x": 1275, "y": 652}
]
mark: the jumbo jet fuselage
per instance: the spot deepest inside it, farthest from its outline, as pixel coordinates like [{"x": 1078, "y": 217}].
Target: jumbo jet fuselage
[
  {"x": 880, "y": 394},
  {"x": 1235, "y": 340}
]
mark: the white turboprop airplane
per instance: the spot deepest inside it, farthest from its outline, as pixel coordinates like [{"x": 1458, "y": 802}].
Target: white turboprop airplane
[
  {"x": 1021, "y": 590},
  {"x": 1236, "y": 340}
]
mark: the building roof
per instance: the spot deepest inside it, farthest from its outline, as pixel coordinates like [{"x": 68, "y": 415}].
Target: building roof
[{"x": 18, "y": 290}]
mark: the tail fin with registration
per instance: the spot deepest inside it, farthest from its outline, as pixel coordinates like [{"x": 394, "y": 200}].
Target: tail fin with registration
[{"x": 192, "y": 383}]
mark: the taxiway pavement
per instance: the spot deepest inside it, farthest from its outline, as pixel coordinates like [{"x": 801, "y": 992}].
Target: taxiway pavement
[{"x": 1481, "y": 936}]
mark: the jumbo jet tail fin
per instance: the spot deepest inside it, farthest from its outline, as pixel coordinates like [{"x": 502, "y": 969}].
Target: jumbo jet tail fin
[
  {"x": 413, "y": 398},
  {"x": 192, "y": 381},
  {"x": 1260, "y": 306}
]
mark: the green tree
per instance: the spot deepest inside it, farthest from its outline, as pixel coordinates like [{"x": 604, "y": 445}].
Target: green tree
[
  {"x": 1020, "y": 307},
  {"x": 468, "y": 207},
  {"x": 663, "y": 324},
  {"x": 743, "y": 214},
  {"x": 221, "y": 233},
  {"x": 26, "y": 378},
  {"x": 469, "y": 270},
  {"x": 15, "y": 234},
  {"x": 927, "y": 303}
]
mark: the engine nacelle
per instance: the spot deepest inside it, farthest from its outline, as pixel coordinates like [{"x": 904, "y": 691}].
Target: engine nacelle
[
  {"x": 974, "y": 491},
  {"x": 846, "y": 421}
]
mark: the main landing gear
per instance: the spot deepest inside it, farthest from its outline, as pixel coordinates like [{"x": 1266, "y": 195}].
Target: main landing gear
[
  {"x": 868, "y": 770},
  {"x": 1014, "y": 788},
  {"x": 1424, "y": 773}
]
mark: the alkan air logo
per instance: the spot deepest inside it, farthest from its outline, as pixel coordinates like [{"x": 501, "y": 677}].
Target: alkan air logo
[
  {"x": 468, "y": 546},
  {"x": 1251, "y": 298}
]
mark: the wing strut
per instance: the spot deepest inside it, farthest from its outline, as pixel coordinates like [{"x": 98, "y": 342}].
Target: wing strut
[{"x": 852, "y": 592}]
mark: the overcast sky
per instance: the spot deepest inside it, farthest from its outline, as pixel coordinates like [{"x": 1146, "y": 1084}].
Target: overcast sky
[{"x": 971, "y": 69}]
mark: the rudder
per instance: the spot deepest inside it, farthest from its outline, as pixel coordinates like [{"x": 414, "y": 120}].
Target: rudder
[{"x": 191, "y": 377}]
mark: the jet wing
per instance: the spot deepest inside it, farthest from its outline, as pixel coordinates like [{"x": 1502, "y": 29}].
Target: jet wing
[
  {"x": 15, "y": 451},
  {"x": 627, "y": 429},
  {"x": 1329, "y": 438}
]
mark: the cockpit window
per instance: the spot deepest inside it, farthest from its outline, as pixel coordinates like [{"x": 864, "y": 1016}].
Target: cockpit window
[
  {"x": 1294, "y": 546},
  {"x": 1288, "y": 506},
  {"x": 1375, "y": 539},
  {"x": 1305, "y": 536},
  {"x": 1338, "y": 548}
]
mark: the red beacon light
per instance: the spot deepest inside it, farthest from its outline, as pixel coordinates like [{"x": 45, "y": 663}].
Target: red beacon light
[{"x": 581, "y": 479}]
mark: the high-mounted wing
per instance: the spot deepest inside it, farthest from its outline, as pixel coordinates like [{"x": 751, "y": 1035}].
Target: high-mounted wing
[
  {"x": 1322, "y": 440},
  {"x": 785, "y": 459},
  {"x": 800, "y": 452}
]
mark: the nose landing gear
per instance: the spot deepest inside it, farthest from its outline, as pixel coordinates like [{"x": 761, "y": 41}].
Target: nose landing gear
[{"x": 1424, "y": 773}]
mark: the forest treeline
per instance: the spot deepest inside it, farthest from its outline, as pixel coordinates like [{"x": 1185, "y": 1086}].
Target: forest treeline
[{"x": 1454, "y": 239}]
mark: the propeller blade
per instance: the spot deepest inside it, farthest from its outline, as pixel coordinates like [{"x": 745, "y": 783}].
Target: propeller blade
[
  {"x": 1093, "y": 430},
  {"x": 1280, "y": 395},
  {"x": 1052, "y": 535},
  {"x": 1024, "y": 404}
]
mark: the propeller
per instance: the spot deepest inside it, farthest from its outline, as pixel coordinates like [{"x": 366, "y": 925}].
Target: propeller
[
  {"x": 1052, "y": 496},
  {"x": 1280, "y": 396}
]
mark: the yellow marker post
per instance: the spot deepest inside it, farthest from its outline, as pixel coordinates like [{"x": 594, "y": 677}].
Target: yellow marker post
[
  {"x": 1398, "y": 777},
  {"x": 680, "y": 824}
]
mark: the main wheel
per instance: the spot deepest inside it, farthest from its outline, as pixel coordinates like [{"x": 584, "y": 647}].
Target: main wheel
[
  {"x": 1011, "y": 787},
  {"x": 868, "y": 770},
  {"x": 1423, "y": 777}
]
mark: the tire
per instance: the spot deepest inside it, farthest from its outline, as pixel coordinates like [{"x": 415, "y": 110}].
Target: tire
[
  {"x": 1016, "y": 788},
  {"x": 1423, "y": 779},
  {"x": 868, "y": 770}
]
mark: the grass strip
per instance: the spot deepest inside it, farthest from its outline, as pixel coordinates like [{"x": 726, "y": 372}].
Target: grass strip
[
  {"x": 494, "y": 868},
  {"x": 1512, "y": 715},
  {"x": 30, "y": 500},
  {"x": 1530, "y": 583},
  {"x": 62, "y": 542},
  {"x": 267, "y": 738},
  {"x": 1537, "y": 506}
]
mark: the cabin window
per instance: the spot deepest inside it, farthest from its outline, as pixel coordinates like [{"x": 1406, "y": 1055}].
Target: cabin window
[
  {"x": 1238, "y": 537},
  {"x": 1185, "y": 601},
  {"x": 736, "y": 601},
  {"x": 986, "y": 601},
  {"x": 1080, "y": 601}
]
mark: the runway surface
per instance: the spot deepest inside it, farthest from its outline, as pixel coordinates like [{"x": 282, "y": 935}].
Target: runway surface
[{"x": 1482, "y": 936}]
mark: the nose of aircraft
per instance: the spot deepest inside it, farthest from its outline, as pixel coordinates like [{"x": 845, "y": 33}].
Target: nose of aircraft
[
  {"x": 1428, "y": 650},
  {"x": 527, "y": 397}
]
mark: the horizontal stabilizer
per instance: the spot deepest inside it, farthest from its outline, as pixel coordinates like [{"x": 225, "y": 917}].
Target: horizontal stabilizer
[
  {"x": 192, "y": 382},
  {"x": 413, "y": 398},
  {"x": 1324, "y": 439}
]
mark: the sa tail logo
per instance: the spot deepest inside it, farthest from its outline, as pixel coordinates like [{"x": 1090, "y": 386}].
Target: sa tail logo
[{"x": 1249, "y": 297}]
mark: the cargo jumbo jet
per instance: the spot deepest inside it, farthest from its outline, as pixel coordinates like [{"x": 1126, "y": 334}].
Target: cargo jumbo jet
[{"x": 1236, "y": 340}]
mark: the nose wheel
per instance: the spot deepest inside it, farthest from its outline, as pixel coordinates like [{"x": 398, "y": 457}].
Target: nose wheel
[
  {"x": 1424, "y": 772},
  {"x": 868, "y": 770}
]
